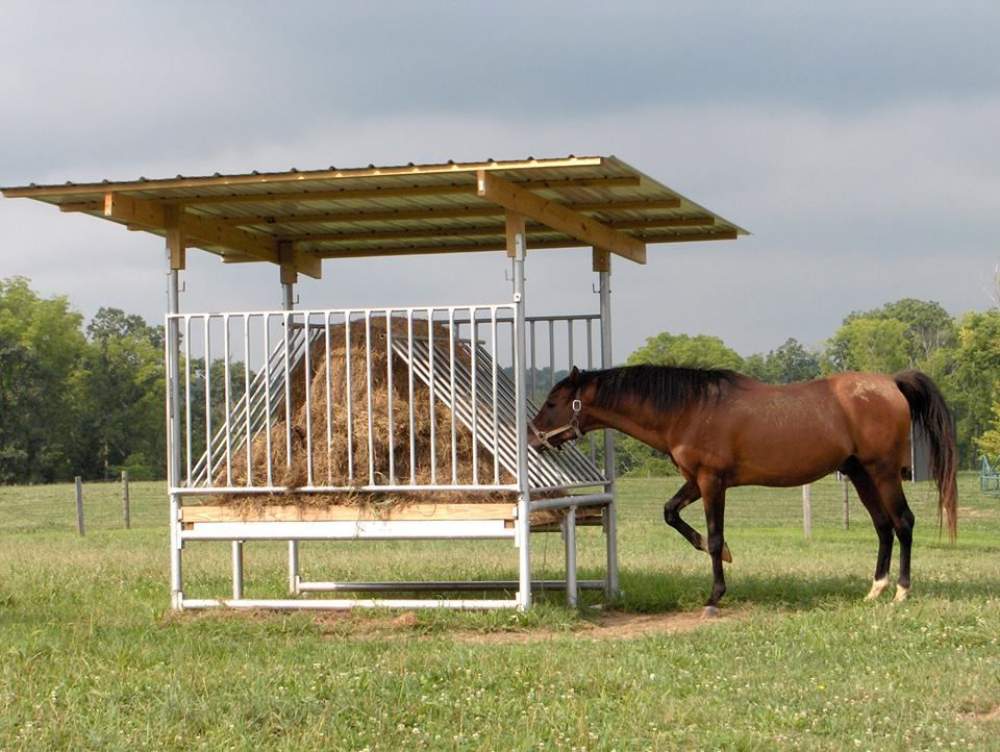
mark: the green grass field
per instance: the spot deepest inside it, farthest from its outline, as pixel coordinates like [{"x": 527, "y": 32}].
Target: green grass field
[{"x": 93, "y": 659}]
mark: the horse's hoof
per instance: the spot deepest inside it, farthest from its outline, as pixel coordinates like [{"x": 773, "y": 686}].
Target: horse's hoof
[
  {"x": 710, "y": 612},
  {"x": 726, "y": 556},
  {"x": 877, "y": 587},
  {"x": 901, "y": 594}
]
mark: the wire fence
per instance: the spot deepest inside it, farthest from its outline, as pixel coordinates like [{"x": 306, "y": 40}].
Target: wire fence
[{"x": 53, "y": 508}]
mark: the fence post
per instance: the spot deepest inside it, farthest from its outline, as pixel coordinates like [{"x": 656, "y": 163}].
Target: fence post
[
  {"x": 79, "y": 504},
  {"x": 126, "y": 512},
  {"x": 807, "y": 513},
  {"x": 847, "y": 505}
]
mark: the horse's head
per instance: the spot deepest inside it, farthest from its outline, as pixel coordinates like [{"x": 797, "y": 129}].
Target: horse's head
[{"x": 558, "y": 420}]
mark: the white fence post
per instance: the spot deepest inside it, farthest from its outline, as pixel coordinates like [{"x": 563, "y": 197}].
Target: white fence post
[
  {"x": 807, "y": 513},
  {"x": 79, "y": 504}
]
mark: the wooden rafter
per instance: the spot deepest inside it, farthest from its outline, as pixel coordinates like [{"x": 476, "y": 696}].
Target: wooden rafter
[
  {"x": 410, "y": 250},
  {"x": 559, "y": 217}
]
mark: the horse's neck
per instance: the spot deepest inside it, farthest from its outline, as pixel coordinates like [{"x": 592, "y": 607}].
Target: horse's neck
[{"x": 637, "y": 419}]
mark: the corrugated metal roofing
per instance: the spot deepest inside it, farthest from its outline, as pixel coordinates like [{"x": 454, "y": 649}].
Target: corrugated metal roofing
[{"x": 407, "y": 209}]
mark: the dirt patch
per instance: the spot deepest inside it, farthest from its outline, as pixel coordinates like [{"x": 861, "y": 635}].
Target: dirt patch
[{"x": 984, "y": 717}]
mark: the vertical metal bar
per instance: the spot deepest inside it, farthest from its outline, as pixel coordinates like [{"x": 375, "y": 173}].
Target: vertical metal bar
[
  {"x": 569, "y": 331},
  {"x": 807, "y": 519},
  {"x": 388, "y": 379},
  {"x": 79, "y": 504},
  {"x": 433, "y": 416},
  {"x": 293, "y": 567},
  {"x": 288, "y": 390},
  {"x": 847, "y": 504},
  {"x": 350, "y": 397},
  {"x": 611, "y": 510},
  {"x": 521, "y": 423},
  {"x": 454, "y": 396},
  {"x": 569, "y": 537},
  {"x": 126, "y": 505},
  {"x": 532, "y": 375},
  {"x": 246, "y": 397},
  {"x": 267, "y": 397},
  {"x": 590, "y": 365},
  {"x": 229, "y": 412},
  {"x": 474, "y": 406},
  {"x": 187, "y": 396},
  {"x": 327, "y": 363},
  {"x": 409, "y": 372},
  {"x": 174, "y": 432},
  {"x": 207, "y": 366},
  {"x": 493, "y": 379},
  {"x": 237, "y": 547},
  {"x": 307, "y": 363},
  {"x": 368, "y": 383}
]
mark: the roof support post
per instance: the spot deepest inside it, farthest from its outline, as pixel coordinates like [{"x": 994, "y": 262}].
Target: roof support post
[
  {"x": 602, "y": 265},
  {"x": 516, "y": 249},
  {"x": 175, "y": 262}
]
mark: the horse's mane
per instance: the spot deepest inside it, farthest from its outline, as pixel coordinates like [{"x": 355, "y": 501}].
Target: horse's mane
[{"x": 661, "y": 387}]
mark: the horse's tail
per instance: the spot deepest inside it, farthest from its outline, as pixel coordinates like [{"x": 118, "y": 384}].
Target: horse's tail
[{"x": 929, "y": 410}]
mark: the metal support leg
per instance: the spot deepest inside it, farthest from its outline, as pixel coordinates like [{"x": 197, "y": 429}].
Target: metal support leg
[
  {"x": 293, "y": 567},
  {"x": 521, "y": 382},
  {"x": 237, "y": 569},
  {"x": 174, "y": 435},
  {"x": 569, "y": 537},
  {"x": 611, "y": 510}
]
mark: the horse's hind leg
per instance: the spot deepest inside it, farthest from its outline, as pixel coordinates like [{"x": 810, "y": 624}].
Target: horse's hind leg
[
  {"x": 891, "y": 491},
  {"x": 868, "y": 492},
  {"x": 672, "y": 516}
]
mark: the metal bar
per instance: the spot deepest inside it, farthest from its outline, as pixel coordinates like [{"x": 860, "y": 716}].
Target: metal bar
[
  {"x": 350, "y": 396},
  {"x": 439, "y": 585},
  {"x": 184, "y": 491},
  {"x": 569, "y": 538},
  {"x": 430, "y": 386},
  {"x": 388, "y": 384},
  {"x": 451, "y": 381},
  {"x": 583, "y": 500},
  {"x": 126, "y": 506},
  {"x": 409, "y": 372},
  {"x": 173, "y": 433},
  {"x": 521, "y": 427},
  {"x": 569, "y": 331},
  {"x": 187, "y": 396},
  {"x": 532, "y": 374},
  {"x": 474, "y": 400},
  {"x": 293, "y": 567},
  {"x": 307, "y": 367},
  {"x": 288, "y": 391},
  {"x": 208, "y": 401},
  {"x": 493, "y": 379},
  {"x": 246, "y": 397},
  {"x": 227, "y": 379},
  {"x": 267, "y": 398},
  {"x": 590, "y": 364},
  {"x": 552, "y": 354},
  {"x": 610, "y": 512},
  {"x": 329, "y": 399},
  {"x": 237, "y": 550},
  {"x": 339, "y": 604},
  {"x": 368, "y": 383}
]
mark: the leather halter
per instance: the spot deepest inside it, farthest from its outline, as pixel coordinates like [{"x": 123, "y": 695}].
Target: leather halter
[{"x": 574, "y": 424}]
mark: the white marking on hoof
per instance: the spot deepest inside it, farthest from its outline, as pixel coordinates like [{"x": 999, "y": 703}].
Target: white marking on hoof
[
  {"x": 710, "y": 612},
  {"x": 877, "y": 587},
  {"x": 901, "y": 594},
  {"x": 726, "y": 556}
]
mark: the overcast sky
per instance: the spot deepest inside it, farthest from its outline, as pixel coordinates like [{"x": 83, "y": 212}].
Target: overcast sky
[{"x": 857, "y": 141}]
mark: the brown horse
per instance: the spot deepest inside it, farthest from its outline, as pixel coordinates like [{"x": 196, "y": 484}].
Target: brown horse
[{"x": 722, "y": 429}]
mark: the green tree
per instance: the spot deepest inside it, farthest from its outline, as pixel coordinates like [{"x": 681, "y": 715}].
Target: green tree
[
  {"x": 929, "y": 326},
  {"x": 869, "y": 344},
  {"x": 788, "y": 363},
  {"x": 41, "y": 349}
]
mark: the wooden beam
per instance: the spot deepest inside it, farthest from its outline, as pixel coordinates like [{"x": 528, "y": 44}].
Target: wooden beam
[
  {"x": 492, "y": 229},
  {"x": 601, "y": 260},
  {"x": 176, "y": 245},
  {"x": 407, "y": 191},
  {"x": 514, "y": 226},
  {"x": 289, "y": 276},
  {"x": 81, "y": 206},
  {"x": 456, "y": 212},
  {"x": 559, "y": 217},
  {"x": 410, "y": 250}
]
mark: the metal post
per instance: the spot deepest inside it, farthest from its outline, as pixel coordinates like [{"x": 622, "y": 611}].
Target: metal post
[
  {"x": 126, "y": 511},
  {"x": 521, "y": 382},
  {"x": 287, "y": 304},
  {"x": 807, "y": 513},
  {"x": 79, "y": 505},
  {"x": 237, "y": 569},
  {"x": 569, "y": 536},
  {"x": 611, "y": 510},
  {"x": 174, "y": 434},
  {"x": 847, "y": 504}
]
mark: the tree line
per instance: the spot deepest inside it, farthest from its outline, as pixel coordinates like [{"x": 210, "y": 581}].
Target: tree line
[{"x": 86, "y": 398}]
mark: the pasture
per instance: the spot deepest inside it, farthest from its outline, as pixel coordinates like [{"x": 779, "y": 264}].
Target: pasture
[{"x": 93, "y": 659}]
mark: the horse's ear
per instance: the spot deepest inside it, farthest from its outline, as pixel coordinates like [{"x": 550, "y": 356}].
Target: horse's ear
[{"x": 574, "y": 375}]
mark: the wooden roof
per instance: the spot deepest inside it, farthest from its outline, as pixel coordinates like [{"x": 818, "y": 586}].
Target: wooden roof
[{"x": 400, "y": 210}]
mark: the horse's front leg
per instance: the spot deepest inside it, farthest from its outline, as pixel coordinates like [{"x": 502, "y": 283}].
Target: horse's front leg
[
  {"x": 687, "y": 494},
  {"x": 713, "y": 493}
]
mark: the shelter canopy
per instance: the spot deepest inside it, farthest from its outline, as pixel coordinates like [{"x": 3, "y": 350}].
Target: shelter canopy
[{"x": 297, "y": 218}]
